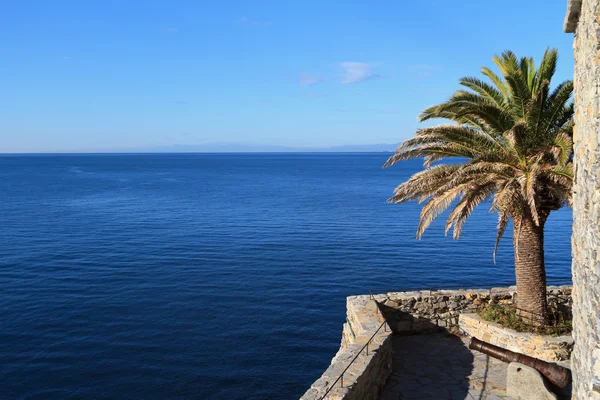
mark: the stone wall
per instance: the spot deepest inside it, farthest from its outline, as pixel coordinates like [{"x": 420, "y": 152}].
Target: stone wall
[
  {"x": 415, "y": 312},
  {"x": 583, "y": 18},
  {"x": 404, "y": 312},
  {"x": 369, "y": 372},
  {"x": 543, "y": 347}
]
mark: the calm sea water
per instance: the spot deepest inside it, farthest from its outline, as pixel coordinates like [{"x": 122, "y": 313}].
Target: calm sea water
[{"x": 210, "y": 276}]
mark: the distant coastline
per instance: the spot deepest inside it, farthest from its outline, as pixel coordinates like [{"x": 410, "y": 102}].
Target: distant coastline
[{"x": 226, "y": 148}]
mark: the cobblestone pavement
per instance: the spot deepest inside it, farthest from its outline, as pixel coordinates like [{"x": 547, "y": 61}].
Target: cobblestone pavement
[{"x": 441, "y": 367}]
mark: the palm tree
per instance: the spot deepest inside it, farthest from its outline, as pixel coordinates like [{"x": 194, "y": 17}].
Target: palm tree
[{"x": 513, "y": 140}]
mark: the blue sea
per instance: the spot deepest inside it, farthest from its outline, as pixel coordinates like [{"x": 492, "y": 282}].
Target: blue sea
[{"x": 211, "y": 276}]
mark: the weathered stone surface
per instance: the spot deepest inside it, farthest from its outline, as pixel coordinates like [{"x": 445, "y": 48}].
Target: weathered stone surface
[
  {"x": 572, "y": 17},
  {"x": 439, "y": 366},
  {"x": 583, "y": 19},
  {"x": 547, "y": 348},
  {"x": 418, "y": 312},
  {"x": 525, "y": 383},
  {"x": 369, "y": 372}
]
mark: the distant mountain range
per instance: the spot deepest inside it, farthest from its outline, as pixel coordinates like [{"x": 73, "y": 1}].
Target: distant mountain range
[{"x": 254, "y": 148}]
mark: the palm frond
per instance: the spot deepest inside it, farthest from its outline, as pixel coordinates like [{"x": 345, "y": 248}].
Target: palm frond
[
  {"x": 435, "y": 206},
  {"x": 424, "y": 183},
  {"x": 475, "y": 195},
  {"x": 512, "y": 137},
  {"x": 503, "y": 219},
  {"x": 485, "y": 90},
  {"x": 499, "y": 82}
]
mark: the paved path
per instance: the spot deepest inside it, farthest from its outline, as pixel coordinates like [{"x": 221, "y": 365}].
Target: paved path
[{"x": 441, "y": 367}]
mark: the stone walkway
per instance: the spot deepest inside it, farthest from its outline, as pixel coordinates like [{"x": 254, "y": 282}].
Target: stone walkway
[{"x": 441, "y": 367}]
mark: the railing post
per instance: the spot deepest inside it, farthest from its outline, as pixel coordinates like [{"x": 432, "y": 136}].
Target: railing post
[{"x": 342, "y": 380}]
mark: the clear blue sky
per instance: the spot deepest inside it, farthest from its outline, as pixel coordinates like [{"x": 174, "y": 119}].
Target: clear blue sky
[{"x": 89, "y": 75}]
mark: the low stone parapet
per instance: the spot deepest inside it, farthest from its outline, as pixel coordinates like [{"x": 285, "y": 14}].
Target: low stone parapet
[
  {"x": 547, "y": 348},
  {"x": 367, "y": 375},
  {"x": 427, "y": 310}
]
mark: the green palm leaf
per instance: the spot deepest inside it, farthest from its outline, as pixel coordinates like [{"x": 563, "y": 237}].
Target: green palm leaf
[{"x": 514, "y": 133}]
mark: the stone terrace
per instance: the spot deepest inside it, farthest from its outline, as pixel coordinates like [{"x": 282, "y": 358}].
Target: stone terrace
[
  {"x": 414, "y": 356},
  {"x": 440, "y": 366}
]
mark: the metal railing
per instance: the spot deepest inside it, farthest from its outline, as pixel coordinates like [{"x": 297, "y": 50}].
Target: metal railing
[{"x": 366, "y": 346}]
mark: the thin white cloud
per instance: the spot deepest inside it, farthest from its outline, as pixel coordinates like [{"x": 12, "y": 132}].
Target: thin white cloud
[
  {"x": 355, "y": 72},
  {"x": 309, "y": 79}
]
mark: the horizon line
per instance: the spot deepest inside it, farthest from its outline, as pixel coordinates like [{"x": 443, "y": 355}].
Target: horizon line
[{"x": 187, "y": 152}]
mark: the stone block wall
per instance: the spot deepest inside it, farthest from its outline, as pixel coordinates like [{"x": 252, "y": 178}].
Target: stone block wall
[
  {"x": 583, "y": 18},
  {"x": 416, "y": 312},
  {"x": 543, "y": 347}
]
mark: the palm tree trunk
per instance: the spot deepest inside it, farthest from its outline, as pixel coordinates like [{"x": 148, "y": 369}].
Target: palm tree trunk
[{"x": 528, "y": 240}]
